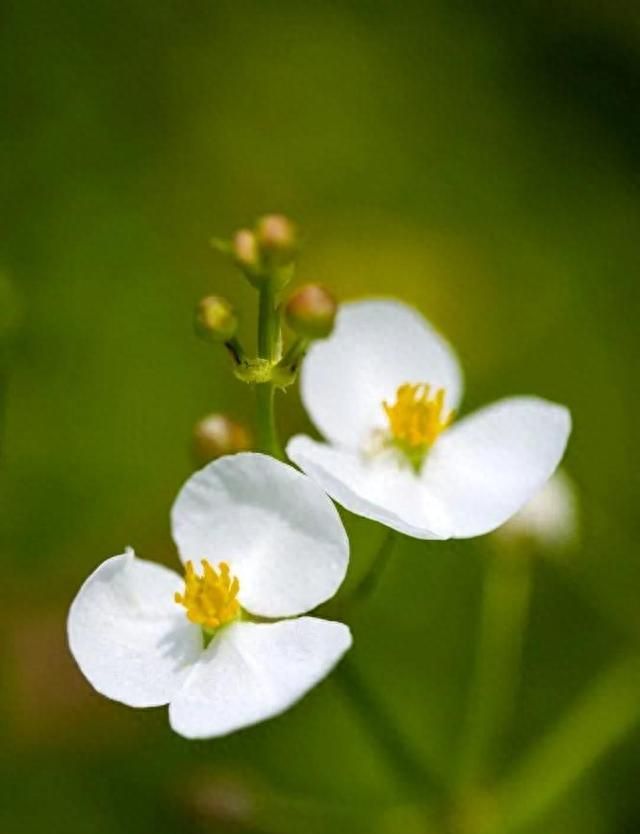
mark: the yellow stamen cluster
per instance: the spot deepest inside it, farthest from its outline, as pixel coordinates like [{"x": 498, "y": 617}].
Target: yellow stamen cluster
[
  {"x": 417, "y": 418},
  {"x": 210, "y": 599}
]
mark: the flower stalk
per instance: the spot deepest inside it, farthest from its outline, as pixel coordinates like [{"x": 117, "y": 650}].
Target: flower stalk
[
  {"x": 292, "y": 359},
  {"x": 268, "y": 440},
  {"x": 601, "y": 717},
  {"x": 268, "y": 348},
  {"x": 236, "y": 351},
  {"x": 374, "y": 718},
  {"x": 368, "y": 583},
  {"x": 503, "y": 619},
  {"x": 268, "y": 321},
  {"x": 383, "y": 732}
]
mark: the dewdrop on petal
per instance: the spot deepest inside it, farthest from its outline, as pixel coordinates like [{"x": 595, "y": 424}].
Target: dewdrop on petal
[{"x": 550, "y": 520}]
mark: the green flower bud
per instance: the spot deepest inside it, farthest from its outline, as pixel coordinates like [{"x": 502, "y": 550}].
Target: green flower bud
[
  {"x": 216, "y": 319},
  {"x": 277, "y": 240},
  {"x": 217, "y": 435},
  {"x": 311, "y": 311}
]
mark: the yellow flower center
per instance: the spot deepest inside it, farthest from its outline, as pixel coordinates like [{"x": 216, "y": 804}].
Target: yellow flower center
[
  {"x": 210, "y": 599},
  {"x": 416, "y": 419}
]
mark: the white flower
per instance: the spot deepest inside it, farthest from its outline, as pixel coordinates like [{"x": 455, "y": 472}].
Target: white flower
[
  {"x": 549, "y": 519},
  {"x": 273, "y": 546},
  {"x": 382, "y": 390}
]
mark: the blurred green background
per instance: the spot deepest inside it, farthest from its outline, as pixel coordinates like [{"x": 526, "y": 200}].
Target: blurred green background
[{"x": 480, "y": 160}]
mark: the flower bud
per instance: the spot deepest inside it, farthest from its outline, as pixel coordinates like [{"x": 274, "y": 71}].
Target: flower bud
[
  {"x": 217, "y": 435},
  {"x": 220, "y": 802},
  {"x": 277, "y": 239},
  {"x": 245, "y": 249},
  {"x": 216, "y": 319},
  {"x": 311, "y": 311},
  {"x": 549, "y": 521}
]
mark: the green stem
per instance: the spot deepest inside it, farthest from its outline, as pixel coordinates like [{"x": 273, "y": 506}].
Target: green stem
[
  {"x": 603, "y": 715},
  {"x": 268, "y": 346},
  {"x": 268, "y": 439},
  {"x": 371, "y": 578},
  {"x": 294, "y": 356},
  {"x": 267, "y": 321},
  {"x": 373, "y": 717},
  {"x": 236, "y": 351},
  {"x": 371, "y": 713},
  {"x": 505, "y": 605},
  {"x": 383, "y": 733}
]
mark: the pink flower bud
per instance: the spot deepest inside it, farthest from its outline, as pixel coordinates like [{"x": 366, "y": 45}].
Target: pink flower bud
[{"x": 311, "y": 311}]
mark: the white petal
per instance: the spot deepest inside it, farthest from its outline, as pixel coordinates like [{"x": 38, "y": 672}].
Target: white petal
[
  {"x": 277, "y": 530},
  {"x": 373, "y": 487},
  {"x": 487, "y": 466},
  {"x": 253, "y": 671},
  {"x": 376, "y": 346},
  {"x": 130, "y": 639}
]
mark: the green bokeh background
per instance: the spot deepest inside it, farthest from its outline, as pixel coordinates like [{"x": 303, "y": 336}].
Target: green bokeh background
[{"x": 477, "y": 159}]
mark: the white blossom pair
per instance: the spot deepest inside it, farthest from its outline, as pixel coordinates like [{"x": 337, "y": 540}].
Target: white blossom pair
[{"x": 271, "y": 544}]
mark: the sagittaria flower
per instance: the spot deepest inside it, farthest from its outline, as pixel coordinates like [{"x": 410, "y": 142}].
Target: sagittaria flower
[
  {"x": 260, "y": 542},
  {"x": 383, "y": 389}
]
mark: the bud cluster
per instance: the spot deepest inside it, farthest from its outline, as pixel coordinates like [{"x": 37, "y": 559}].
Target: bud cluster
[
  {"x": 267, "y": 251},
  {"x": 266, "y": 255}
]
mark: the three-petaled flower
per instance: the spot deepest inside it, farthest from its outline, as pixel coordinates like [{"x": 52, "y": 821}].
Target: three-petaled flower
[
  {"x": 213, "y": 646},
  {"x": 383, "y": 390}
]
